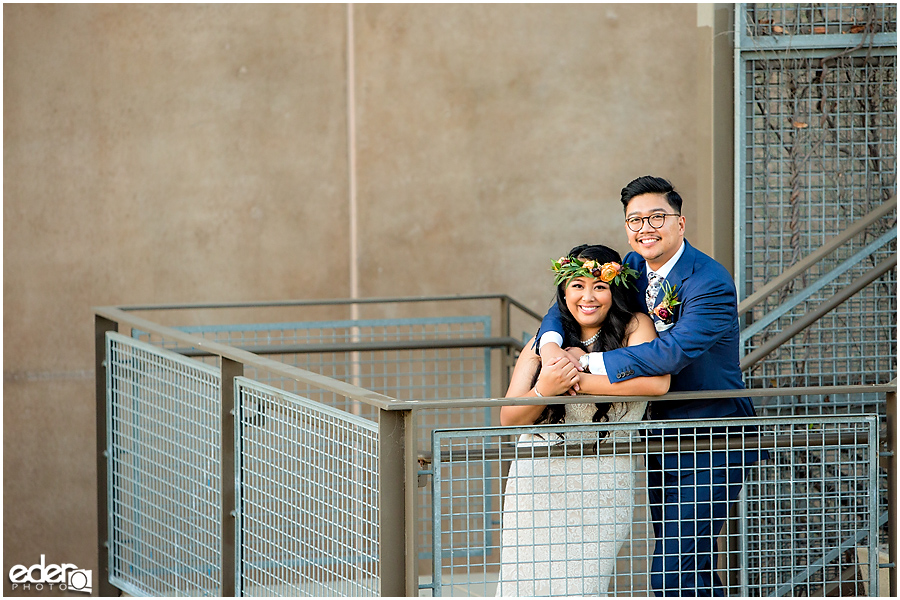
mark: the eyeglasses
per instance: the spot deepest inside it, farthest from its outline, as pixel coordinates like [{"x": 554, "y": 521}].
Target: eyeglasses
[{"x": 656, "y": 220}]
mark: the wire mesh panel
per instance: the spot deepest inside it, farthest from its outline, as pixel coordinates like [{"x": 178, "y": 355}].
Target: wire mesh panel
[
  {"x": 812, "y": 514},
  {"x": 420, "y": 374},
  {"x": 816, "y": 151},
  {"x": 163, "y": 439},
  {"x": 307, "y": 505},
  {"x": 821, "y": 20},
  {"x": 580, "y": 509},
  {"x": 836, "y": 404}
]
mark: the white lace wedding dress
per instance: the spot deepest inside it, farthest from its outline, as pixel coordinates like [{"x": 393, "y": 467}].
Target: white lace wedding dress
[{"x": 565, "y": 519}]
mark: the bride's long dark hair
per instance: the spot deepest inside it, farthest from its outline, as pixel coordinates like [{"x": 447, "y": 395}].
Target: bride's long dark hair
[{"x": 612, "y": 330}]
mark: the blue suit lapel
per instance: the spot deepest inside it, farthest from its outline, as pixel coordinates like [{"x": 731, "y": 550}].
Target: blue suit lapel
[{"x": 682, "y": 270}]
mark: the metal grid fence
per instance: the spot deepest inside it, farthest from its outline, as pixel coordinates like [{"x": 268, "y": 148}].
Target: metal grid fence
[
  {"x": 818, "y": 19},
  {"x": 576, "y": 519},
  {"x": 816, "y": 150},
  {"x": 402, "y": 374},
  {"x": 266, "y": 417},
  {"x": 425, "y": 374},
  {"x": 307, "y": 507},
  {"x": 163, "y": 440}
]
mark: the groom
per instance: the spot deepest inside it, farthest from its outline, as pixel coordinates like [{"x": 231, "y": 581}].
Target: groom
[{"x": 692, "y": 301}]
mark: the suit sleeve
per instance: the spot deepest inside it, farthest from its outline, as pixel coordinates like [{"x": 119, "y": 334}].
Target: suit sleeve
[
  {"x": 552, "y": 322},
  {"x": 707, "y": 313}
]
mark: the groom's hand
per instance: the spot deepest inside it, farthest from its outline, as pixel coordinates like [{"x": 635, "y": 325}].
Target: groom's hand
[
  {"x": 551, "y": 353},
  {"x": 576, "y": 352}
]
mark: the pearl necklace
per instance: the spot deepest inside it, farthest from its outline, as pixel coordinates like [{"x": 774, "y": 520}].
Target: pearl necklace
[{"x": 591, "y": 339}]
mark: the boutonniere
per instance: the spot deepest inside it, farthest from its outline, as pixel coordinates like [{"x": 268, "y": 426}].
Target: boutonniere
[{"x": 665, "y": 310}]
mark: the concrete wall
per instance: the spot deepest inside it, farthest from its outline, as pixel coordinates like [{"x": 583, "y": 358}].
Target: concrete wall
[{"x": 167, "y": 153}]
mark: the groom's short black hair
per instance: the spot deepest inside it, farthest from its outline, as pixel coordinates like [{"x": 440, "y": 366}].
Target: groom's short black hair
[{"x": 651, "y": 185}]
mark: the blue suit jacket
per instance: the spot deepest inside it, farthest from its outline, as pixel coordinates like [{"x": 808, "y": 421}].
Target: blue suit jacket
[{"x": 700, "y": 351}]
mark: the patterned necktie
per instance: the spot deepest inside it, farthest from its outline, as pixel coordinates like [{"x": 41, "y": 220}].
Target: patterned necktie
[{"x": 653, "y": 285}]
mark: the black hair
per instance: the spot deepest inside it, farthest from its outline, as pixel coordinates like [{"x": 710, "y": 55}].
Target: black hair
[
  {"x": 612, "y": 330},
  {"x": 651, "y": 185}
]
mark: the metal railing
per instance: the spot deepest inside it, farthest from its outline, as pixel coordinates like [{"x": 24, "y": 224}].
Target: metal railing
[
  {"x": 233, "y": 361},
  {"x": 164, "y": 445},
  {"x": 413, "y": 358},
  {"x": 800, "y": 270},
  {"x": 297, "y": 452},
  {"x": 307, "y": 505},
  {"x": 799, "y": 519},
  {"x": 815, "y": 104}
]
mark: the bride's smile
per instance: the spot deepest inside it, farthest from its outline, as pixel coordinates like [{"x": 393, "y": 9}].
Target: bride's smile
[{"x": 589, "y": 300}]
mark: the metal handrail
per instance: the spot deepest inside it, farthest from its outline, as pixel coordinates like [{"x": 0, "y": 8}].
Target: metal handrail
[
  {"x": 809, "y": 318},
  {"x": 432, "y": 344},
  {"x": 669, "y": 397},
  {"x": 739, "y": 441},
  {"x": 251, "y": 355},
  {"x": 830, "y": 246},
  {"x": 790, "y": 304},
  {"x": 245, "y": 358},
  {"x": 335, "y": 301},
  {"x": 686, "y": 444},
  {"x": 201, "y": 346}
]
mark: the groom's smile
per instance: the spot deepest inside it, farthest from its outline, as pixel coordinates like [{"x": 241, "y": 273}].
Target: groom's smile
[
  {"x": 656, "y": 244},
  {"x": 648, "y": 240}
]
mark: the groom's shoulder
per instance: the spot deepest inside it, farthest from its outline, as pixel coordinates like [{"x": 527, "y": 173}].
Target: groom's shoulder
[
  {"x": 708, "y": 267},
  {"x": 634, "y": 260},
  {"x": 704, "y": 260}
]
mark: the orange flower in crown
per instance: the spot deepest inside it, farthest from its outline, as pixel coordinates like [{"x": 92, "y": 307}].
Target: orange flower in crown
[
  {"x": 610, "y": 271},
  {"x": 569, "y": 267}
]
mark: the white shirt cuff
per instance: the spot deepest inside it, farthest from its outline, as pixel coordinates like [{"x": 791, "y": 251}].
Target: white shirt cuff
[
  {"x": 551, "y": 337},
  {"x": 595, "y": 363}
]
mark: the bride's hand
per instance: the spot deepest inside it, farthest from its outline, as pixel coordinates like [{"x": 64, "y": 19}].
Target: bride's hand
[
  {"x": 557, "y": 378},
  {"x": 551, "y": 353}
]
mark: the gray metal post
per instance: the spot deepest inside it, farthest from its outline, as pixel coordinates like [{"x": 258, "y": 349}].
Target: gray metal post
[
  {"x": 397, "y": 490},
  {"x": 101, "y": 326},
  {"x": 230, "y": 370},
  {"x": 891, "y": 413},
  {"x": 507, "y": 352}
]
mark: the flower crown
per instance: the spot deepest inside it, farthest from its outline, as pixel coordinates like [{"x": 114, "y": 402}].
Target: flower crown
[{"x": 569, "y": 267}]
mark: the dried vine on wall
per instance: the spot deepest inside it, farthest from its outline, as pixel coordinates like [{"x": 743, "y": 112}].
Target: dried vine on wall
[{"x": 823, "y": 144}]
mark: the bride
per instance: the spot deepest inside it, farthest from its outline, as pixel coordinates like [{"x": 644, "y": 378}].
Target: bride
[{"x": 565, "y": 519}]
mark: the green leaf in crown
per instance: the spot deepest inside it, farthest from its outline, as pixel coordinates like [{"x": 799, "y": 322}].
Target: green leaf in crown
[{"x": 569, "y": 267}]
